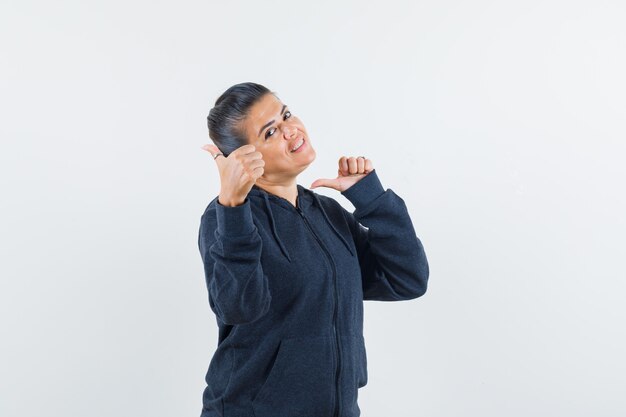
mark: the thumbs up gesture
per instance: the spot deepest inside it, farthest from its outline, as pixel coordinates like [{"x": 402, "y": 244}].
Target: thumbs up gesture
[
  {"x": 238, "y": 172},
  {"x": 351, "y": 170}
]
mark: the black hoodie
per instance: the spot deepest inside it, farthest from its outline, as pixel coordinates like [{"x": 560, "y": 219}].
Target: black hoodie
[{"x": 287, "y": 286}]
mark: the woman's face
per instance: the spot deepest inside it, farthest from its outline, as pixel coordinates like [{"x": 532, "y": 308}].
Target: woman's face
[{"x": 275, "y": 131}]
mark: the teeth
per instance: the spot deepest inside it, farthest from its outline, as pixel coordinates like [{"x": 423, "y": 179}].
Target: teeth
[{"x": 295, "y": 148}]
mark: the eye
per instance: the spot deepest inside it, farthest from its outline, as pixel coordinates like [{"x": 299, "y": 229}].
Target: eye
[{"x": 286, "y": 116}]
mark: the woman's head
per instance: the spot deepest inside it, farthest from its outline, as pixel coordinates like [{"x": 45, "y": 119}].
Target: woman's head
[
  {"x": 249, "y": 113},
  {"x": 226, "y": 118}
]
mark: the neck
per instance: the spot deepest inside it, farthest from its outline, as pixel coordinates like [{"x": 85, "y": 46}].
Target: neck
[{"x": 285, "y": 189}]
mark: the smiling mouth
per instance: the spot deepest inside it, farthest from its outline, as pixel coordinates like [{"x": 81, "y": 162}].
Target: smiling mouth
[{"x": 298, "y": 145}]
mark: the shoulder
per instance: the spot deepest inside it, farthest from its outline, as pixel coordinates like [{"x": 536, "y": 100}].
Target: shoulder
[{"x": 331, "y": 206}]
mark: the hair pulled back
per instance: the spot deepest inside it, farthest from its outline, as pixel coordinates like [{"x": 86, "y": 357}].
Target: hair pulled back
[{"x": 226, "y": 117}]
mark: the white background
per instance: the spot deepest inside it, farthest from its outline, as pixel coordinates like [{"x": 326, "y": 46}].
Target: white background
[{"x": 500, "y": 123}]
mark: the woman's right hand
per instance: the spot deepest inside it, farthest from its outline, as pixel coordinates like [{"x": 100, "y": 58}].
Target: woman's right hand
[{"x": 238, "y": 172}]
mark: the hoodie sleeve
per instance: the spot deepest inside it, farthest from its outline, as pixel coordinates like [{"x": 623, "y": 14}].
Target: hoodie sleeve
[
  {"x": 230, "y": 246},
  {"x": 392, "y": 259}
]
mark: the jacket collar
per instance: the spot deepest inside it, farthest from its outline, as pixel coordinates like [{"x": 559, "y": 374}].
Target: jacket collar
[{"x": 305, "y": 200}]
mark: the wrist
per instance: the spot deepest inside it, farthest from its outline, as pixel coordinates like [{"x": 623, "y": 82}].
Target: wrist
[{"x": 229, "y": 202}]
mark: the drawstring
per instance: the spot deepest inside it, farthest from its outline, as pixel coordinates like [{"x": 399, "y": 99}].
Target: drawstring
[
  {"x": 280, "y": 242},
  {"x": 317, "y": 200}
]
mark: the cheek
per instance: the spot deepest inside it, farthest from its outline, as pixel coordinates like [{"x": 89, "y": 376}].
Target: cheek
[{"x": 275, "y": 154}]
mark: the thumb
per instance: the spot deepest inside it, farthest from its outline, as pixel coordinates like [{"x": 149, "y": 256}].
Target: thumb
[
  {"x": 213, "y": 150},
  {"x": 326, "y": 182}
]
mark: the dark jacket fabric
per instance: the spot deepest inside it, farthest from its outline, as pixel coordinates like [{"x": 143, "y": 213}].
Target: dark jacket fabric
[{"x": 287, "y": 285}]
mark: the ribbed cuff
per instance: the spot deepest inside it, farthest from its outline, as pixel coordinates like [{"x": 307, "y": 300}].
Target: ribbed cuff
[
  {"x": 365, "y": 191},
  {"x": 234, "y": 221}
]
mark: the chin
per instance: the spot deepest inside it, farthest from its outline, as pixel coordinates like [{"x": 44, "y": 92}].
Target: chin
[
  {"x": 309, "y": 160},
  {"x": 313, "y": 154}
]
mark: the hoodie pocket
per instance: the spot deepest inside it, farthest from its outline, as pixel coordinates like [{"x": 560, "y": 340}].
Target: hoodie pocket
[{"x": 301, "y": 381}]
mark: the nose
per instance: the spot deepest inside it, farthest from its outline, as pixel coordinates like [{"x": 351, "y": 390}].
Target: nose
[{"x": 289, "y": 131}]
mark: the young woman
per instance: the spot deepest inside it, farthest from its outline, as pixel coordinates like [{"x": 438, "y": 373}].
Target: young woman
[{"x": 287, "y": 269}]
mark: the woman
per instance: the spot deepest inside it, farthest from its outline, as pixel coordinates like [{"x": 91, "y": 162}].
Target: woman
[{"x": 287, "y": 269}]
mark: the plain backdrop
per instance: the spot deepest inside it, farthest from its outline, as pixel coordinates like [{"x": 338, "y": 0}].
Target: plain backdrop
[{"x": 500, "y": 123}]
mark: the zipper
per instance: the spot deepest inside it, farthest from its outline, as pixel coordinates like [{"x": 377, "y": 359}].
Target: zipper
[{"x": 338, "y": 367}]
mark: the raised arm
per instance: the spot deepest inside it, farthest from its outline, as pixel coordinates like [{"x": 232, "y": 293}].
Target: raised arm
[
  {"x": 393, "y": 262},
  {"x": 230, "y": 247}
]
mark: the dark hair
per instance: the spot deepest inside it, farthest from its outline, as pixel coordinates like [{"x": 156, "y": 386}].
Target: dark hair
[{"x": 226, "y": 117}]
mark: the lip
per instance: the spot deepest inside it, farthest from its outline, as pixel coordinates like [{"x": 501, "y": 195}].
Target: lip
[{"x": 304, "y": 143}]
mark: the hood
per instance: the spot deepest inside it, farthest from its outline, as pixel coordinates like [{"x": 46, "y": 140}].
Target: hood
[{"x": 306, "y": 201}]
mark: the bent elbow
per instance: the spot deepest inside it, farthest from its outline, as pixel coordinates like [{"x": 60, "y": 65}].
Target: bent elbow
[
  {"x": 418, "y": 291},
  {"x": 420, "y": 285}
]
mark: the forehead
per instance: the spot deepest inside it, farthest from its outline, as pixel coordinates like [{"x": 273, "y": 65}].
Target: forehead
[{"x": 263, "y": 111}]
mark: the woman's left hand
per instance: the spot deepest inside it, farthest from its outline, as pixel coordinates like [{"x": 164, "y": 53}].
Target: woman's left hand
[{"x": 351, "y": 170}]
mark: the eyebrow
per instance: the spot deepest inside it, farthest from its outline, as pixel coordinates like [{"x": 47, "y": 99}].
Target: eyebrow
[{"x": 270, "y": 123}]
